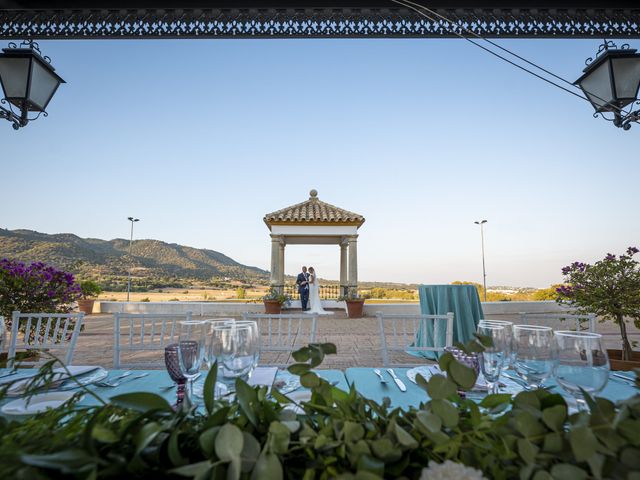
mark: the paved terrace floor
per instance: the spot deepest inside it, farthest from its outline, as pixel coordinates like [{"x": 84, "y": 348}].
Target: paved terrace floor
[{"x": 357, "y": 340}]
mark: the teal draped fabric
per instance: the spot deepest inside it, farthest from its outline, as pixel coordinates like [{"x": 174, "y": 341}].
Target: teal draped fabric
[{"x": 462, "y": 300}]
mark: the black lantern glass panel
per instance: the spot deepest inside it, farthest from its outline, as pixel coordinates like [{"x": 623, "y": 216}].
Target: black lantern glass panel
[
  {"x": 14, "y": 76},
  {"x": 626, "y": 72},
  {"x": 598, "y": 89}
]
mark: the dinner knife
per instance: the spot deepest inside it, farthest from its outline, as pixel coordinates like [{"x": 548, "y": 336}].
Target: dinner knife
[{"x": 399, "y": 383}]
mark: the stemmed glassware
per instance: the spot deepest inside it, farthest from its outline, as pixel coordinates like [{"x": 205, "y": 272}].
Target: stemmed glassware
[
  {"x": 192, "y": 341},
  {"x": 534, "y": 353},
  {"x": 236, "y": 348},
  {"x": 509, "y": 327},
  {"x": 583, "y": 364},
  {"x": 494, "y": 358}
]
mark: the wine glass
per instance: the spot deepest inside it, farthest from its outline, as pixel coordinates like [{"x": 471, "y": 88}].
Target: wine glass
[
  {"x": 534, "y": 353},
  {"x": 235, "y": 346},
  {"x": 210, "y": 358},
  {"x": 583, "y": 364},
  {"x": 192, "y": 339},
  {"x": 172, "y": 362},
  {"x": 509, "y": 327},
  {"x": 494, "y": 357}
]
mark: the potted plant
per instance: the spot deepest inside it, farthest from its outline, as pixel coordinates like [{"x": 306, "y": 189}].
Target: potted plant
[
  {"x": 274, "y": 300},
  {"x": 89, "y": 290},
  {"x": 355, "y": 303},
  {"x": 610, "y": 288}
]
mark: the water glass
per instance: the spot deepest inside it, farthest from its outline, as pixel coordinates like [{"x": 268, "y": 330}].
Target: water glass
[
  {"x": 582, "y": 364},
  {"x": 235, "y": 346},
  {"x": 192, "y": 339},
  {"x": 534, "y": 353},
  {"x": 509, "y": 328},
  {"x": 495, "y": 357}
]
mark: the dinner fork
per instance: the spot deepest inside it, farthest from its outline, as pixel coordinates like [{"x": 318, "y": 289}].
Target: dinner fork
[
  {"x": 122, "y": 380},
  {"x": 379, "y": 373}
]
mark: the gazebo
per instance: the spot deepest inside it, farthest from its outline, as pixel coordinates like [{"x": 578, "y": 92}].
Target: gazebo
[{"x": 314, "y": 222}]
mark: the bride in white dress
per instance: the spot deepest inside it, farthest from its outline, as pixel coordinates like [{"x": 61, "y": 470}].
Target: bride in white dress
[{"x": 315, "y": 306}]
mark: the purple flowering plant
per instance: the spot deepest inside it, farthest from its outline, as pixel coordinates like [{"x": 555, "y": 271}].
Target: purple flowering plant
[
  {"x": 610, "y": 288},
  {"x": 35, "y": 288}
]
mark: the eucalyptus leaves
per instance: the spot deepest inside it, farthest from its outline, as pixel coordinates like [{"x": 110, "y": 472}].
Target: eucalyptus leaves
[{"x": 342, "y": 435}]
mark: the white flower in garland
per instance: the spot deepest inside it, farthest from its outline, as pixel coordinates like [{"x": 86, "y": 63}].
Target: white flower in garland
[{"x": 449, "y": 470}]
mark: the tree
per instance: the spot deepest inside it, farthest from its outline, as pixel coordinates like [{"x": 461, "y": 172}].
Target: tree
[
  {"x": 550, "y": 293},
  {"x": 610, "y": 288}
]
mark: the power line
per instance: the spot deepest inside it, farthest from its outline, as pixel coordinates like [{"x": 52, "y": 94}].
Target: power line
[{"x": 418, "y": 8}]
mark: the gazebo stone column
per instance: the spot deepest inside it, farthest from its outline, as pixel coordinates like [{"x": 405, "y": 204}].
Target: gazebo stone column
[
  {"x": 277, "y": 251},
  {"x": 353, "y": 262},
  {"x": 344, "y": 285},
  {"x": 281, "y": 265}
]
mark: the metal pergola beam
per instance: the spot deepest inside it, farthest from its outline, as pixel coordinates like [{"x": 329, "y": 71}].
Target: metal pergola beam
[{"x": 380, "y": 20}]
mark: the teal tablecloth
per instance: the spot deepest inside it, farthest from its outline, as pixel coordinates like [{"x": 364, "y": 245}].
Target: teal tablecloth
[
  {"x": 368, "y": 384},
  {"x": 158, "y": 382},
  {"x": 462, "y": 300}
]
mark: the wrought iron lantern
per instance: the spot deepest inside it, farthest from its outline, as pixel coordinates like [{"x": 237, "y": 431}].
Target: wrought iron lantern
[
  {"x": 611, "y": 83},
  {"x": 28, "y": 81}
]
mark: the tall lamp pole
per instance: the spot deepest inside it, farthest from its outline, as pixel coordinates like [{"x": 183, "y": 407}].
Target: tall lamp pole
[
  {"x": 484, "y": 272},
  {"x": 132, "y": 220}
]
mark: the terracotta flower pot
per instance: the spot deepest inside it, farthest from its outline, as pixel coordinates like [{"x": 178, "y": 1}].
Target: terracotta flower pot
[
  {"x": 273, "y": 307},
  {"x": 354, "y": 308},
  {"x": 615, "y": 359},
  {"x": 86, "y": 305}
]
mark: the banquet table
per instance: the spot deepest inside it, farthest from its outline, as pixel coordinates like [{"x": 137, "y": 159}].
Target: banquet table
[
  {"x": 365, "y": 381},
  {"x": 462, "y": 300},
  {"x": 158, "y": 382},
  {"x": 369, "y": 386}
]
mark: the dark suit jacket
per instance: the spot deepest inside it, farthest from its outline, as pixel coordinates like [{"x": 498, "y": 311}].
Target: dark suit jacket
[{"x": 302, "y": 277}]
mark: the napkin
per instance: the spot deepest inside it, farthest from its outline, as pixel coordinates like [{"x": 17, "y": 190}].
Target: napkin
[
  {"x": 59, "y": 376},
  {"x": 263, "y": 376}
]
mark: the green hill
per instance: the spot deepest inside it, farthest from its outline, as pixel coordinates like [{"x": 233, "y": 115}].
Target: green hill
[{"x": 154, "y": 263}]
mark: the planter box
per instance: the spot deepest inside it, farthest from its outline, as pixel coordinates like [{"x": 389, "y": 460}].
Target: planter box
[
  {"x": 354, "y": 308},
  {"x": 86, "y": 306},
  {"x": 272, "y": 307},
  {"x": 615, "y": 359}
]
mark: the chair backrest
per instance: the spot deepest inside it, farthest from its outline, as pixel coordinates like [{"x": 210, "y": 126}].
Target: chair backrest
[
  {"x": 282, "y": 334},
  {"x": 412, "y": 334},
  {"x": 561, "y": 321},
  {"x": 56, "y": 333},
  {"x": 143, "y": 337}
]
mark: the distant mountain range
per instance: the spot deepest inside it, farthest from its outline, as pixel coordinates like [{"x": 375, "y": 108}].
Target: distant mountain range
[{"x": 154, "y": 263}]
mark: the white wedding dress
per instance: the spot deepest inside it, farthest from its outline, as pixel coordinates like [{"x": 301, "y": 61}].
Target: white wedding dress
[{"x": 315, "y": 306}]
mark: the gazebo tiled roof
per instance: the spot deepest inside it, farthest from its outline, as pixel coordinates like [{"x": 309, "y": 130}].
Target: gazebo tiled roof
[{"x": 313, "y": 212}]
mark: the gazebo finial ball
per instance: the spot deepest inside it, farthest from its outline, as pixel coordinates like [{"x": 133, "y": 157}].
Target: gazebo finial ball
[{"x": 313, "y": 193}]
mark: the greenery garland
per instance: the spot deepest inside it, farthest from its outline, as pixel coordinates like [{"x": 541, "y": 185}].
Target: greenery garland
[{"x": 342, "y": 435}]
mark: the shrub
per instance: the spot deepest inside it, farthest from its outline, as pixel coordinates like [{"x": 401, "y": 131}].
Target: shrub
[
  {"x": 35, "y": 288},
  {"x": 241, "y": 293},
  {"x": 90, "y": 289},
  {"x": 145, "y": 299}
]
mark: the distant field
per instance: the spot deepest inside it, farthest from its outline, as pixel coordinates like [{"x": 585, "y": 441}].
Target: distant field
[{"x": 185, "y": 295}]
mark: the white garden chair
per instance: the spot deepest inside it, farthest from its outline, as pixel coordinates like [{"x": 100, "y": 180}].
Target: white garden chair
[
  {"x": 561, "y": 321},
  {"x": 56, "y": 333},
  {"x": 398, "y": 335},
  {"x": 282, "y": 334},
  {"x": 142, "y": 338}
]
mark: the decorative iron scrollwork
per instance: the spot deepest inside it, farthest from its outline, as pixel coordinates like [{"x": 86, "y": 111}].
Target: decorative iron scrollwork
[{"x": 317, "y": 23}]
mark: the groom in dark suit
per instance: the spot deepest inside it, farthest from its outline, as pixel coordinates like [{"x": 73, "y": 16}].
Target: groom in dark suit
[{"x": 303, "y": 287}]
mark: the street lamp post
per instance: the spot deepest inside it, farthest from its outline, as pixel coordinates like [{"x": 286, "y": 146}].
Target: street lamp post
[
  {"x": 132, "y": 220},
  {"x": 484, "y": 272}
]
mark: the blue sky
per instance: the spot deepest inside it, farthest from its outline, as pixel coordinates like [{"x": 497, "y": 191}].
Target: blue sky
[{"x": 201, "y": 138}]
